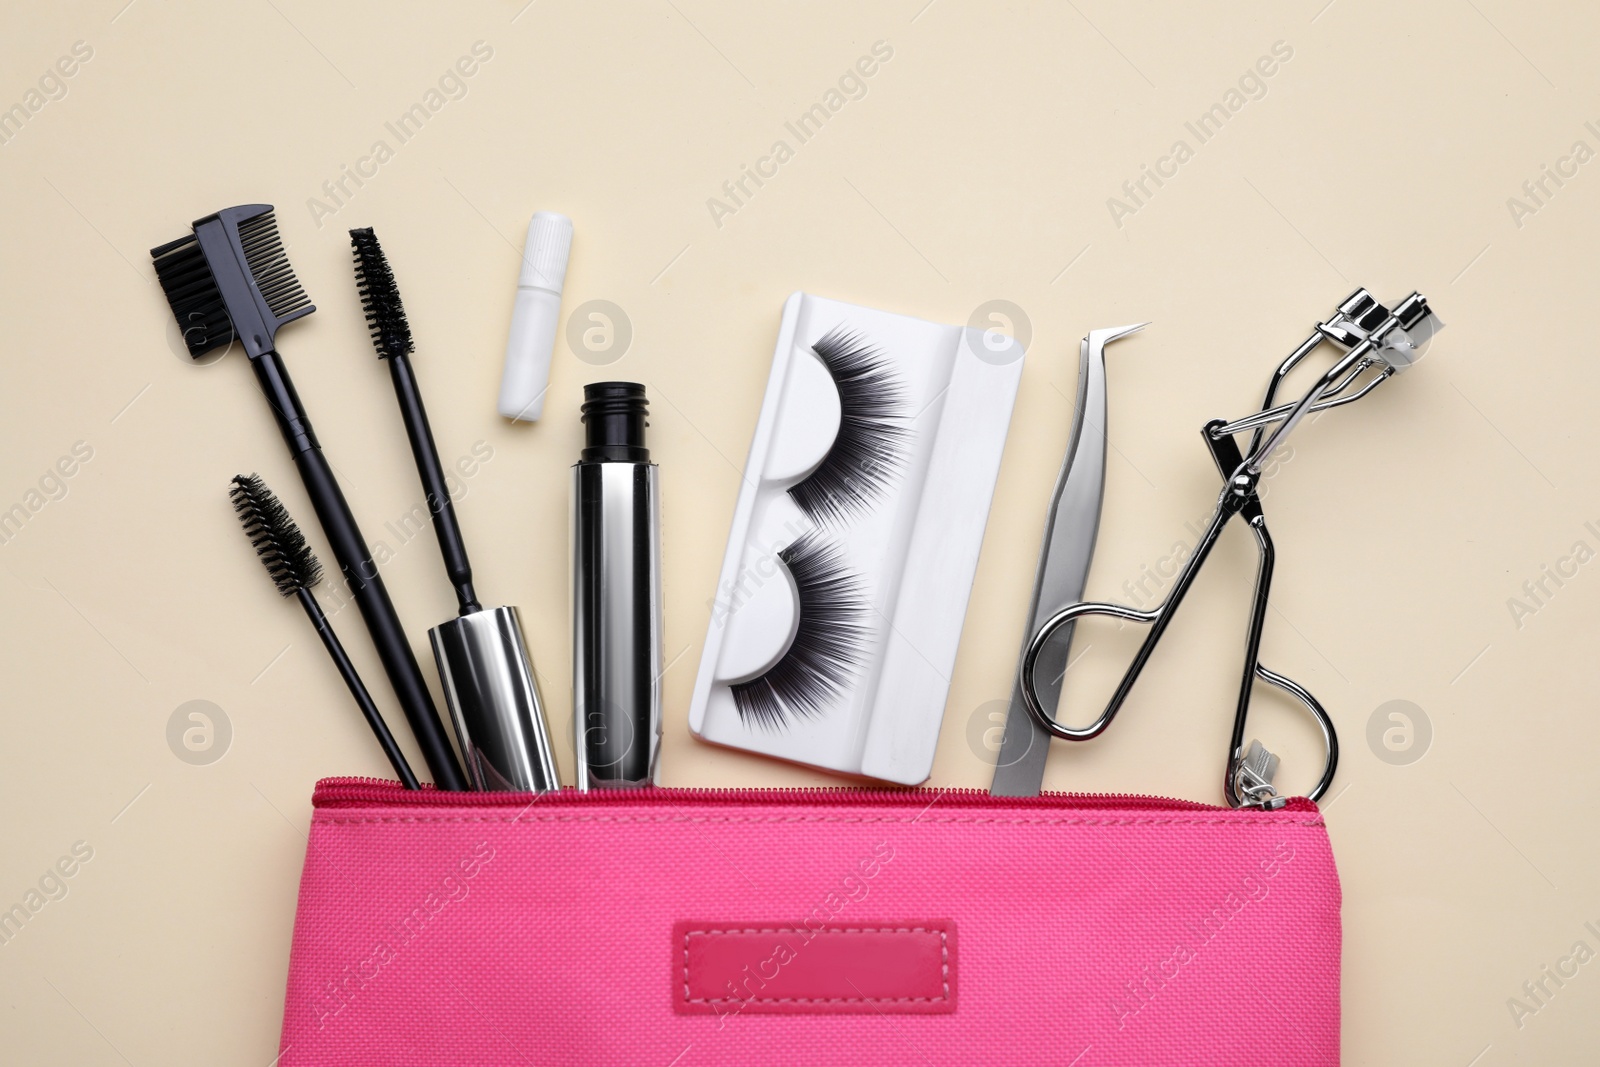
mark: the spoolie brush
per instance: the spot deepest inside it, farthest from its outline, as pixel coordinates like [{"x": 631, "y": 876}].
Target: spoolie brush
[
  {"x": 391, "y": 336},
  {"x": 489, "y": 682},
  {"x": 294, "y": 569}
]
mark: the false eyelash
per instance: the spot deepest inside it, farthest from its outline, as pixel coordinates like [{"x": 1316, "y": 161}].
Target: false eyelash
[
  {"x": 827, "y": 645},
  {"x": 870, "y": 448}
]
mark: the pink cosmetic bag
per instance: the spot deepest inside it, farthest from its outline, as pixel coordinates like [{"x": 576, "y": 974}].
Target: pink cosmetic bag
[{"x": 678, "y": 928}]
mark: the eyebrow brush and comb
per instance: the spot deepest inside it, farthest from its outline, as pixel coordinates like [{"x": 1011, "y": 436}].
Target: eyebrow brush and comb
[{"x": 229, "y": 281}]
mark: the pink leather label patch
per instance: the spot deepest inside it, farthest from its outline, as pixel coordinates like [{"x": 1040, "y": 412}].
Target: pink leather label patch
[{"x": 776, "y": 968}]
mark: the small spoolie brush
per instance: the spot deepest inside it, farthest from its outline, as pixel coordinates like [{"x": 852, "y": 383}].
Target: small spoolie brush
[
  {"x": 488, "y": 678},
  {"x": 294, "y": 569}
]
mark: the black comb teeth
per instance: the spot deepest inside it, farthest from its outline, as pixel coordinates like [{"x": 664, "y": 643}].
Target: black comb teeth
[
  {"x": 277, "y": 540},
  {"x": 269, "y": 265},
  {"x": 230, "y": 279},
  {"x": 192, "y": 292},
  {"x": 380, "y": 296}
]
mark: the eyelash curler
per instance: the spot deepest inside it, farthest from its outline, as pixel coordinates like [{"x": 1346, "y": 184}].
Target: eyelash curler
[{"x": 1376, "y": 343}]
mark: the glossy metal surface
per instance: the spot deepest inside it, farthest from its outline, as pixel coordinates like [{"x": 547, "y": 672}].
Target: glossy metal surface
[
  {"x": 1373, "y": 338},
  {"x": 1069, "y": 536},
  {"x": 494, "y": 701},
  {"x": 616, "y": 623}
]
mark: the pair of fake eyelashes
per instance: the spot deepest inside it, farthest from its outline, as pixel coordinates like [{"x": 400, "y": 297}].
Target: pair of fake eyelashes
[{"x": 867, "y": 455}]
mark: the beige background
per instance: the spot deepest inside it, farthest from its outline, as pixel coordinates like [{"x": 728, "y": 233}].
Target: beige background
[{"x": 976, "y": 167}]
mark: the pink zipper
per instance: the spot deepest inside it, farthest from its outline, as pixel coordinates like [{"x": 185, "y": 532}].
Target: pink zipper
[{"x": 363, "y": 792}]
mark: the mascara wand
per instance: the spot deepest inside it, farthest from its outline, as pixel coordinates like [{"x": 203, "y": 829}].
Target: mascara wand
[
  {"x": 391, "y": 336},
  {"x": 294, "y": 569},
  {"x": 488, "y": 678}
]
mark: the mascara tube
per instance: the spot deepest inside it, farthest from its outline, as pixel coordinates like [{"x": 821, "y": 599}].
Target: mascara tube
[{"x": 616, "y": 593}]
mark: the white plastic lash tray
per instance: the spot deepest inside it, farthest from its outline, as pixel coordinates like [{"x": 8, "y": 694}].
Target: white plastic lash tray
[{"x": 843, "y": 590}]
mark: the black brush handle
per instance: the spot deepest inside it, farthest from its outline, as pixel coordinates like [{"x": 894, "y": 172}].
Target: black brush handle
[
  {"x": 347, "y": 671},
  {"x": 445, "y": 526},
  {"x": 360, "y": 573}
]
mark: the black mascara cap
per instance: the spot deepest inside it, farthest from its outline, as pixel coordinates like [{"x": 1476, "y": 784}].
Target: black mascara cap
[{"x": 614, "y": 418}]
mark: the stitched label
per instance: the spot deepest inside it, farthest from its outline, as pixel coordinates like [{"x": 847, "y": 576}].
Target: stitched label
[{"x": 906, "y": 968}]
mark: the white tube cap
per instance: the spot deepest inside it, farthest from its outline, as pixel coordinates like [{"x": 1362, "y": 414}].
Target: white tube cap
[
  {"x": 535, "y": 317},
  {"x": 545, "y": 252}
]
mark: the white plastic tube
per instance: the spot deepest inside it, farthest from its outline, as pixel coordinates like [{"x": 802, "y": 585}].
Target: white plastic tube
[{"x": 535, "y": 317}]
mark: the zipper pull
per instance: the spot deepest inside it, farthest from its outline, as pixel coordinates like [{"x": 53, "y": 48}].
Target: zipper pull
[{"x": 1252, "y": 778}]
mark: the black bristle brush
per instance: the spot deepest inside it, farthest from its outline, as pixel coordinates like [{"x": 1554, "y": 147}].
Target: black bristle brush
[
  {"x": 294, "y": 569},
  {"x": 229, "y": 280},
  {"x": 391, "y": 336}
]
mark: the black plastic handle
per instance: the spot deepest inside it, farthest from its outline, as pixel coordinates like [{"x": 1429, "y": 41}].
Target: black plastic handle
[
  {"x": 360, "y": 572},
  {"x": 440, "y": 507},
  {"x": 352, "y": 680}
]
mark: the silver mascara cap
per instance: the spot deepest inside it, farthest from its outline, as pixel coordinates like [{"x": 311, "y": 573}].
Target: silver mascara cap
[{"x": 494, "y": 701}]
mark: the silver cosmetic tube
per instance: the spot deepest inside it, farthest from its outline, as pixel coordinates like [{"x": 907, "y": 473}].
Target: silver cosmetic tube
[{"x": 616, "y": 595}]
